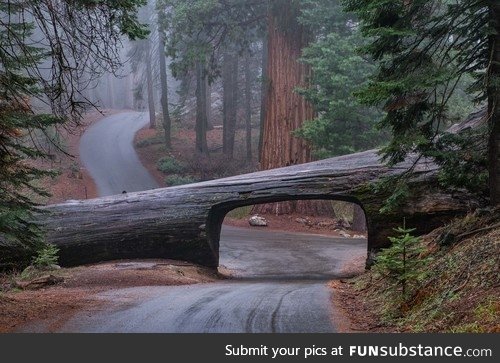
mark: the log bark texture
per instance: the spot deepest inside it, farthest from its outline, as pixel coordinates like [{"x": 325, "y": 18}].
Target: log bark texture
[{"x": 184, "y": 222}]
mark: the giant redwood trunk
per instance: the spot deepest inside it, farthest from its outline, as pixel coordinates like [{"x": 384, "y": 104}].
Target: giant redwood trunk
[
  {"x": 285, "y": 109},
  {"x": 263, "y": 97},
  {"x": 494, "y": 106}
]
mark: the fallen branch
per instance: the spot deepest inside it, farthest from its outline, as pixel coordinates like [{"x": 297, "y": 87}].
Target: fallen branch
[{"x": 478, "y": 230}]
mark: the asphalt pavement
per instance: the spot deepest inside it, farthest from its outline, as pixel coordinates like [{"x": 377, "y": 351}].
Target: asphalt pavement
[{"x": 107, "y": 152}]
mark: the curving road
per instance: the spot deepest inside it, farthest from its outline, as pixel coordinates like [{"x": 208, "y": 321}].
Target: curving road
[
  {"x": 279, "y": 286},
  {"x": 107, "y": 152},
  {"x": 279, "y": 282}
]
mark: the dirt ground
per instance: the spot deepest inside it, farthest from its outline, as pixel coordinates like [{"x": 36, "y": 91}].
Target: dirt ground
[
  {"x": 296, "y": 223},
  {"x": 183, "y": 141},
  {"x": 80, "y": 285}
]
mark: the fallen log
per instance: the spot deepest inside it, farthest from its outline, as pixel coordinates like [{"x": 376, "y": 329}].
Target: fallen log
[{"x": 184, "y": 222}]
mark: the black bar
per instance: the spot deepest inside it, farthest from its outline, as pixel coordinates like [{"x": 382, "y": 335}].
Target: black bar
[{"x": 216, "y": 347}]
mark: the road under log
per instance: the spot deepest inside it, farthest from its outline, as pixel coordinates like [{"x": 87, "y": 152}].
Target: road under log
[{"x": 184, "y": 222}]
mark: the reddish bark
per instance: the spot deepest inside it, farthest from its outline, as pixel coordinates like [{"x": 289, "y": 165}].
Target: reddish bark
[{"x": 285, "y": 109}]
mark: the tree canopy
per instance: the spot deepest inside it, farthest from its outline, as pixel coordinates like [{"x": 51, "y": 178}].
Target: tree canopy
[{"x": 424, "y": 50}]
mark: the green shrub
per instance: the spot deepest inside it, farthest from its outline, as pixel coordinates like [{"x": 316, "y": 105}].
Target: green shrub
[
  {"x": 176, "y": 179},
  {"x": 343, "y": 210},
  {"x": 150, "y": 141},
  {"x": 240, "y": 213},
  {"x": 169, "y": 165},
  {"x": 46, "y": 256}
]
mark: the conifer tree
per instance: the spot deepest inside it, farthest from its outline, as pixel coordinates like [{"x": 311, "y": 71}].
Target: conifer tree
[
  {"x": 424, "y": 49},
  {"x": 401, "y": 262}
]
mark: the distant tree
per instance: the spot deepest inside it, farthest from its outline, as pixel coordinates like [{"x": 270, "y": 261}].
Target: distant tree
[
  {"x": 230, "y": 74},
  {"x": 167, "y": 122},
  {"x": 78, "y": 41},
  {"x": 248, "y": 105},
  {"x": 342, "y": 124},
  {"x": 201, "y": 146},
  {"x": 424, "y": 49},
  {"x": 149, "y": 85},
  {"x": 140, "y": 55}
]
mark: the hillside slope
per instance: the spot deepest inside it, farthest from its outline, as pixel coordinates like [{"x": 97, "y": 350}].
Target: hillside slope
[{"x": 459, "y": 290}]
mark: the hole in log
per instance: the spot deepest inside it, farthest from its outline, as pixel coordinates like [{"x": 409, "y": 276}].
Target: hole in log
[{"x": 288, "y": 237}]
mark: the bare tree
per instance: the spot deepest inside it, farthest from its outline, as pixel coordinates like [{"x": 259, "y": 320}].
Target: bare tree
[
  {"x": 201, "y": 109},
  {"x": 81, "y": 43}
]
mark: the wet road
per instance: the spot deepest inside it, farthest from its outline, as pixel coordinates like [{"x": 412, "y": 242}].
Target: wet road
[
  {"x": 213, "y": 308},
  {"x": 279, "y": 279},
  {"x": 107, "y": 152},
  {"x": 279, "y": 285}
]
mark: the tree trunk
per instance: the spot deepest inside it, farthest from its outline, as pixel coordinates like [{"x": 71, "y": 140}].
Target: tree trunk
[
  {"x": 494, "y": 106},
  {"x": 230, "y": 99},
  {"x": 208, "y": 90},
  {"x": 264, "y": 87},
  {"x": 201, "y": 110},
  {"x": 358, "y": 219},
  {"x": 285, "y": 109},
  {"x": 111, "y": 91},
  {"x": 248, "y": 107},
  {"x": 163, "y": 80},
  {"x": 151, "y": 97}
]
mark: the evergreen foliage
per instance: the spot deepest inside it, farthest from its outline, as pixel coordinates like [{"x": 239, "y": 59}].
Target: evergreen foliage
[
  {"x": 402, "y": 262},
  {"x": 428, "y": 53},
  {"x": 198, "y": 29},
  {"x": 46, "y": 257},
  {"x": 170, "y": 165},
  {"x": 343, "y": 125}
]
